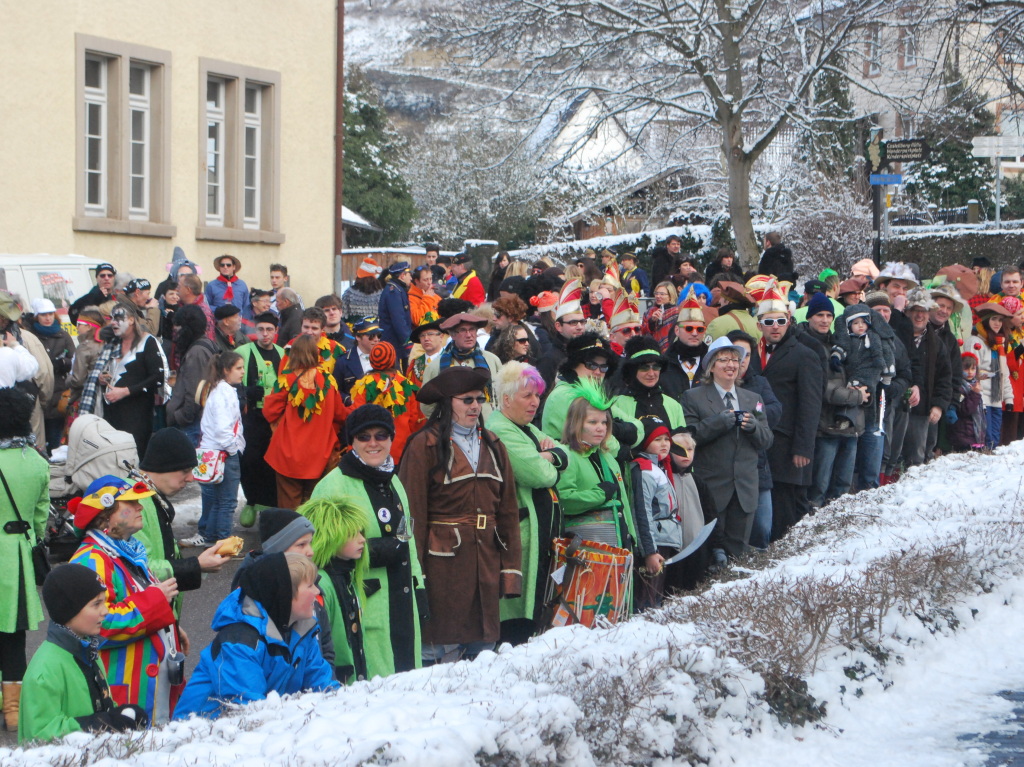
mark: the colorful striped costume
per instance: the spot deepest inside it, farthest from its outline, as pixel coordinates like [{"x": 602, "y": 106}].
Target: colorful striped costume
[{"x": 133, "y": 644}]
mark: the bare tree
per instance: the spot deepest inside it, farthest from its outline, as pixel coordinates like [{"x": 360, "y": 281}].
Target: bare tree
[{"x": 745, "y": 68}]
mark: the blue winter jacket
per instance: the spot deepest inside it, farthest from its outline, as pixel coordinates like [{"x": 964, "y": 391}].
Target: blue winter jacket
[
  {"x": 394, "y": 316},
  {"x": 248, "y": 658}
]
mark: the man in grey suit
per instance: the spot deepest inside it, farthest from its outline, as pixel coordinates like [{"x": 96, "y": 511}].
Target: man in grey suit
[{"x": 730, "y": 427}]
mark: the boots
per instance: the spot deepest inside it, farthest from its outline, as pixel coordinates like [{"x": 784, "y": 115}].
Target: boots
[{"x": 12, "y": 697}]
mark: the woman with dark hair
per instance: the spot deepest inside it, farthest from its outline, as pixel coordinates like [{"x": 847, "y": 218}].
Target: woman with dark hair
[
  {"x": 501, "y": 264},
  {"x": 24, "y": 506},
  {"x": 195, "y": 350},
  {"x": 394, "y": 598},
  {"x": 462, "y": 499},
  {"x": 132, "y": 373},
  {"x": 363, "y": 296},
  {"x": 305, "y": 411},
  {"x": 514, "y": 343},
  {"x": 725, "y": 263},
  {"x": 641, "y": 379}
]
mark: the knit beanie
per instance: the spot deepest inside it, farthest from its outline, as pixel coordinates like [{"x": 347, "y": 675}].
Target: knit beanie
[
  {"x": 366, "y": 416},
  {"x": 67, "y": 589},
  {"x": 819, "y": 303},
  {"x": 877, "y": 298},
  {"x": 169, "y": 450},
  {"x": 268, "y": 582},
  {"x": 654, "y": 427},
  {"x": 280, "y": 528},
  {"x": 382, "y": 356}
]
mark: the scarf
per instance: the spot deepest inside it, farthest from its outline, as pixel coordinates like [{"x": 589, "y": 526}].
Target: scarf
[
  {"x": 9, "y": 443},
  {"x": 390, "y": 392},
  {"x": 308, "y": 401},
  {"x": 229, "y": 291},
  {"x": 46, "y": 330},
  {"x": 474, "y": 357},
  {"x": 131, "y": 550},
  {"x": 379, "y": 475},
  {"x": 110, "y": 350}
]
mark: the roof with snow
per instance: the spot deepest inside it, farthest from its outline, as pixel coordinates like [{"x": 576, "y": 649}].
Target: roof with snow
[{"x": 351, "y": 218}]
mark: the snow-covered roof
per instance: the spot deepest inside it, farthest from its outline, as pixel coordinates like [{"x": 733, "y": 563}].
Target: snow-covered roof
[
  {"x": 700, "y": 231},
  {"x": 576, "y": 215},
  {"x": 351, "y": 218}
]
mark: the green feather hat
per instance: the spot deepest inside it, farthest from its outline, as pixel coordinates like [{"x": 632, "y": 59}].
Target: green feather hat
[{"x": 592, "y": 392}]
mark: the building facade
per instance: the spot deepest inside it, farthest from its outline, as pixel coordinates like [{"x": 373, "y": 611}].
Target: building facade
[{"x": 131, "y": 128}]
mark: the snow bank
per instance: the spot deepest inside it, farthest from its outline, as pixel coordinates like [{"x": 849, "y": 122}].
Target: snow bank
[
  {"x": 654, "y": 690},
  {"x": 563, "y": 249}
]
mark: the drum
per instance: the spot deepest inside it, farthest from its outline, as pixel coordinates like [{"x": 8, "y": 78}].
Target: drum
[{"x": 589, "y": 582}]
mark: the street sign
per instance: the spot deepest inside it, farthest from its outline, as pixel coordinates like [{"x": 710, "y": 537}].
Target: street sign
[
  {"x": 881, "y": 179},
  {"x": 906, "y": 150},
  {"x": 998, "y": 146}
]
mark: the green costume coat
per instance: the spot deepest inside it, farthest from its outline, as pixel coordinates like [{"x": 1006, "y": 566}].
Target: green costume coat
[
  {"x": 28, "y": 475},
  {"x": 265, "y": 371},
  {"x": 53, "y": 693},
  {"x": 391, "y": 629},
  {"x": 579, "y": 491},
  {"x": 676, "y": 419},
  {"x": 535, "y": 481}
]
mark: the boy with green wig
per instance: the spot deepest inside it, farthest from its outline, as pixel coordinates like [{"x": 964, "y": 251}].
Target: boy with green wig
[{"x": 340, "y": 553}]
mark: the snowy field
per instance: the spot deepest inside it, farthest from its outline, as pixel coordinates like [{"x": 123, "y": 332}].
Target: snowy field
[{"x": 660, "y": 691}]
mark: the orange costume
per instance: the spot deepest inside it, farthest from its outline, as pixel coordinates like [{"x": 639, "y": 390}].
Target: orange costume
[{"x": 422, "y": 304}]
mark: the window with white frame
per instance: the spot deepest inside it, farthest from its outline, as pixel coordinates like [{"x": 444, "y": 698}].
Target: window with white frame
[
  {"x": 908, "y": 48},
  {"x": 123, "y": 154},
  {"x": 873, "y": 52},
  {"x": 239, "y": 190}
]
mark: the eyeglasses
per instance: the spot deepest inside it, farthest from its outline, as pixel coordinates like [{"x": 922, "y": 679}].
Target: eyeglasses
[
  {"x": 772, "y": 321},
  {"x": 572, "y": 323},
  {"x": 470, "y": 400},
  {"x": 376, "y": 436},
  {"x": 728, "y": 360},
  {"x": 692, "y": 328},
  {"x": 649, "y": 366},
  {"x": 595, "y": 366},
  {"x": 431, "y": 334},
  {"x": 629, "y": 331},
  {"x": 523, "y": 340}
]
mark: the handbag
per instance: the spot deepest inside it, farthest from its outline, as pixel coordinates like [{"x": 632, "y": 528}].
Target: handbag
[
  {"x": 210, "y": 466},
  {"x": 40, "y": 562}
]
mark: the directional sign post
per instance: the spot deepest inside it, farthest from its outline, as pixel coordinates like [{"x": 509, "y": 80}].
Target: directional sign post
[
  {"x": 884, "y": 179},
  {"x": 906, "y": 150},
  {"x": 998, "y": 147}
]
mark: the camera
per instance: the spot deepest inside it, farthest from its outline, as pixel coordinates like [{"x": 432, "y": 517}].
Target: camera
[
  {"x": 175, "y": 667},
  {"x": 739, "y": 416}
]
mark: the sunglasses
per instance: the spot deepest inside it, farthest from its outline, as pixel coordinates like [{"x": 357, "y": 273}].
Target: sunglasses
[
  {"x": 522, "y": 340},
  {"x": 692, "y": 328},
  {"x": 573, "y": 323},
  {"x": 772, "y": 321},
  {"x": 470, "y": 400},
  {"x": 629, "y": 331},
  {"x": 595, "y": 366},
  {"x": 376, "y": 436},
  {"x": 648, "y": 367},
  {"x": 225, "y": 263}
]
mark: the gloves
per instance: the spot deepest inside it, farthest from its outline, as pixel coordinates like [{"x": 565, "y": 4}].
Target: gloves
[
  {"x": 610, "y": 489},
  {"x": 121, "y": 719},
  {"x": 835, "y": 361},
  {"x": 385, "y": 552},
  {"x": 951, "y": 415},
  {"x": 624, "y": 432}
]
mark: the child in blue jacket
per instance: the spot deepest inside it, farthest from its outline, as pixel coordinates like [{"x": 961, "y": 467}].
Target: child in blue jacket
[{"x": 267, "y": 639}]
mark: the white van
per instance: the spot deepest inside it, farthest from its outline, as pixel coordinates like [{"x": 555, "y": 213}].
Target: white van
[{"x": 62, "y": 279}]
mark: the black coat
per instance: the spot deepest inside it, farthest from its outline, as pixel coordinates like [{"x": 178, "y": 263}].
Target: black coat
[
  {"x": 938, "y": 381},
  {"x": 952, "y": 346},
  {"x": 778, "y": 260},
  {"x": 674, "y": 380},
  {"x": 904, "y": 329},
  {"x": 797, "y": 378},
  {"x": 94, "y": 297},
  {"x": 663, "y": 265},
  {"x": 291, "y": 324}
]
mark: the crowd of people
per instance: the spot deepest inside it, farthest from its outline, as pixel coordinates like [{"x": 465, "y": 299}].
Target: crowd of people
[{"x": 412, "y": 450}]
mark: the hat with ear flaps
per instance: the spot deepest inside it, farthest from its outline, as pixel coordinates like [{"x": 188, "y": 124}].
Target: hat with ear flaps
[
  {"x": 569, "y": 299},
  {"x": 772, "y": 299},
  {"x": 690, "y": 309}
]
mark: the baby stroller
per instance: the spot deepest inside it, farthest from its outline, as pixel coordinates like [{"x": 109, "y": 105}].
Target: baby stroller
[{"x": 95, "y": 448}]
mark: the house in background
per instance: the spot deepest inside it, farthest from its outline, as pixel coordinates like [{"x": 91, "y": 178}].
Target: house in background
[{"x": 131, "y": 129}]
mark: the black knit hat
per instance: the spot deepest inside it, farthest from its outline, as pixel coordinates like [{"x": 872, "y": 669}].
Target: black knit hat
[
  {"x": 268, "y": 581},
  {"x": 280, "y": 528},
  {"x": 169, "y": 450},
  {"x": 367, "y": 416},
  {"x": 67, "y": 589}
]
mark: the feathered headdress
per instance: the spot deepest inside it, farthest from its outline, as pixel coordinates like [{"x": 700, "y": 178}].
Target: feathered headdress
[{"x": 593, "y": 392}]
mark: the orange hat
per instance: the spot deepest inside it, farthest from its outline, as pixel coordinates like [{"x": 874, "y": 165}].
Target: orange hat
[
  {"x": 772, "y": 299},
  {"x": 369, "y": 268},
  {"x": 569, "y": 299},
  {"x": 690, "y": 310},
  {"x": 545, "y": 302},
  {"x": 382, "y": 356}
]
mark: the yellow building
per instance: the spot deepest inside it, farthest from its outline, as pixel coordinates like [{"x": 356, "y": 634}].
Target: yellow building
[{"x": 129, "y": 128}]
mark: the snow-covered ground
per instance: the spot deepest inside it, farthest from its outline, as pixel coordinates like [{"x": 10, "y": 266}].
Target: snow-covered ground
[{"x": 660, "y": 692}]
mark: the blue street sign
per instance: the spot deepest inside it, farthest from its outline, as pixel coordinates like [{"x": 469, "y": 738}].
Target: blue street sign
[{"x": 881, "y": 179}]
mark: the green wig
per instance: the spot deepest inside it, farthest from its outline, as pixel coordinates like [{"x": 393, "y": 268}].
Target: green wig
[
  {"x": 592, "y": 392},
  {"x": 336, "y": 521}
]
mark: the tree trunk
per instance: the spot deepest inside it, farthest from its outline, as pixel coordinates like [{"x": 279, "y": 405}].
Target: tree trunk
[{"x": 738, "y": 166}]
